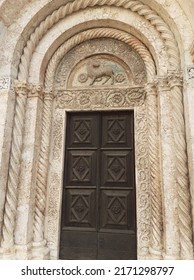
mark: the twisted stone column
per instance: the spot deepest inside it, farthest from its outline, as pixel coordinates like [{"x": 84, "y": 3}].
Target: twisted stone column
[
  {"x": 169, "y": 192},
  {"x": 182, "y": 176},
  {"x": 155, "y": 249},
  {"x": 39, "y": 244},
  {"x": 26, "y": 189},
  {"x": 7, "y": 242}
]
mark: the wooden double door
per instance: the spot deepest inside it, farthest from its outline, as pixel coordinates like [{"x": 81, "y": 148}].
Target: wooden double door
[{"x": 99, "y": 209}]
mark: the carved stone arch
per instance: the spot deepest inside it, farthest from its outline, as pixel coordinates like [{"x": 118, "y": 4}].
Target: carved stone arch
[
  {"x": 131, "y": 96},
  {"x": 169, "y": 89},
  {"x": 97, "y": 33},
  {"x": 69, "y": 8}
]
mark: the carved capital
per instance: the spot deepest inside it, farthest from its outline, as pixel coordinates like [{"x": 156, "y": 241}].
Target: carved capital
[
  {"x": 151, "y": 89},
  {"x": 162, "y": 83},
  {"x": 21, "y": 88},
  {"x": 175, "y": 79},
  {"x": 49, "y": 94},
  {"x": 36, "y": 91}
]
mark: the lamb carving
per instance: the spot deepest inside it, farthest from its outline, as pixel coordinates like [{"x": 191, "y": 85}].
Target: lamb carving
[{"x": 97, "y": 71}]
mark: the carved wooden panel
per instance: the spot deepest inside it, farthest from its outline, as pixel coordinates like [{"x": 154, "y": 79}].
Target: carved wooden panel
[
  {"x": 83, "y": 131},
  {"x": 116, "y": 168},
  {"x": 117, "y": 210},
  {"x": 99, "y": 187},
  {"x": 80, "y": 209},
  {"x": 117, "y": 130},
  {"x": 81, "y": 167}
]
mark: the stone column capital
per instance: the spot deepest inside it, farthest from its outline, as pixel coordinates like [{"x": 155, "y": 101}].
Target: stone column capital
[
  {"x": 21, "y": 88},
  {"x": 36, "y": 91},
  {"x": 162, "y": 83},
  {"x": 49, "y": 94},
  {"x": 175, "y": 78},
  {"x": 151, "y": 88}
]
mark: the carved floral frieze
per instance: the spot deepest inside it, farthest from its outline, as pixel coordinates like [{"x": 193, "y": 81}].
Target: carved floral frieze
[{"x": 102, "y": 98}]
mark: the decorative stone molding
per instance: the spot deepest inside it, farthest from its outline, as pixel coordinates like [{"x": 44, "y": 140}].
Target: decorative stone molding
[
  {"x": 40, "y": 249},
  {"x": 155, "y": 249},
  {"x": 137, "y": 6},
  {"x": 102, "y": 98},
  {"x": 142, "y": 182},
  {"x": 7, "y": 242},
  {"x": 184, "y": 198},
  {"x": 96, "y": 33}
]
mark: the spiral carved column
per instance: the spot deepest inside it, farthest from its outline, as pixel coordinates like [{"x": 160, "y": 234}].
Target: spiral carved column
[
  {"x": 182, "y": 182},
  {"x": 7, "y": 242},
  {"x": 169, "y": 192},
  {"x": 155, "y": 249},
  {"x": 39, "y": 244}
]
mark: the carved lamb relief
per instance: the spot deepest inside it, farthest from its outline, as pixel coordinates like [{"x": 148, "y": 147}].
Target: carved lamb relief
[
  {"x": 100, "y": 63},
  {"x": 100, "y": 70}
]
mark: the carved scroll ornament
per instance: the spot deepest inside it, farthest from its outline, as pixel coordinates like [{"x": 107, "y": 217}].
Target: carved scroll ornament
[{"x": 103, "y": 98}]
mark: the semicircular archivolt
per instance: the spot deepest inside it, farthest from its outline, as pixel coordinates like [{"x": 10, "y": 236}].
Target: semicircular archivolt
[
  {"x": 98, "y": 33},
  {"x": 135, "y": 6}
]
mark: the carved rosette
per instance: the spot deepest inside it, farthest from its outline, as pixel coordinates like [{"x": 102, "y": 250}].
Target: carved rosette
[
  {"x": 155, "y": 249},
  {"x": 21, "y": 91},
  {"x": 184, "y": 198},
  {"x": 128, "y": 97},
  {"x": 42, "y": 171}
]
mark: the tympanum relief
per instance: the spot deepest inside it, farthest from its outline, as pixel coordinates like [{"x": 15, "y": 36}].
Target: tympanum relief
[{"x": 101, "y": 62}]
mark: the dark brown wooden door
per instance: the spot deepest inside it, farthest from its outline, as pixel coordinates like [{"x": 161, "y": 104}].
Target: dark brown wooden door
[{"x": 98, "y": 211}]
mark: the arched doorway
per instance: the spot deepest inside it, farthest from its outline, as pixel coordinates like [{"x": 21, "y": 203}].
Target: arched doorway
[{"x": 100, "y": 87}]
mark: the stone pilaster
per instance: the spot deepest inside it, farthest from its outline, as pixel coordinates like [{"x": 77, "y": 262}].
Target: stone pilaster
[
  {"x": 155, "y": 249},
  {"x": 24, "y": 220},
  {"x": 169, "y": 191},
  {"x": 182, "y": 175},
  {"x": 40, "y": 249},
  {"x": 7, "y": 241}
]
